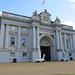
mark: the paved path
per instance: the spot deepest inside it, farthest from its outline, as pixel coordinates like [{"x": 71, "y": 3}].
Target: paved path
[{"x": 46, "y": 68}]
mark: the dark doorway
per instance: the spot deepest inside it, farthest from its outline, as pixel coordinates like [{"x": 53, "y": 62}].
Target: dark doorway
[{"x": 46, "y": 50}]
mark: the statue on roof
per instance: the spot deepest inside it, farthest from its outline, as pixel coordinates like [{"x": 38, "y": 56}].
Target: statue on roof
[
  {"x": 35, "y": 16},
  {"x": 57, "y": 21},
  {"x": 35, "y": 13}
]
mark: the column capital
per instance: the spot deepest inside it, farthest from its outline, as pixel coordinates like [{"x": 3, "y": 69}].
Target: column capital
[
  {"x": 59, "y": 30},
  {"x": 19, "y": 26},
  {"x": 38, "y": 26},
  {"x": 7, "y": 24}
]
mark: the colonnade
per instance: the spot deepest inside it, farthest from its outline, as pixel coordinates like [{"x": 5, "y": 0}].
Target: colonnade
[
  {"x": 59, "y": 41},
  {"x": 5, "y": 33}
]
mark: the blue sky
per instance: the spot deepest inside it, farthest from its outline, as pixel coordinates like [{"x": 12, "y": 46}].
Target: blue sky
[{"x": 64, "y": 9}]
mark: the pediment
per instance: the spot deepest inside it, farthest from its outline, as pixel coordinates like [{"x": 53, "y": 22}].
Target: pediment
[{"x": 45, "y": 13}]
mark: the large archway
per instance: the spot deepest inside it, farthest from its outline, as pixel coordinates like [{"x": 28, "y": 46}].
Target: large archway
[{"x": 45, "y": 47}]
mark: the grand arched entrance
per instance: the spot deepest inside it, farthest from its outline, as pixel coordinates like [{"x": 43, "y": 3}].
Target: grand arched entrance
[{"x": 45, "y": 47}]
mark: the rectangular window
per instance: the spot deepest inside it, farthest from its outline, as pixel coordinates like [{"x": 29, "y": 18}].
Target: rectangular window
[
  {"x": 24, "y": 29},
  {"x": 12, "y": 54},
  {"x": 12, "y": 40},
  {"x": 69, "y": 54},
  {"x": 23, "y": 41},
  {"x": 24, "y": 54}
]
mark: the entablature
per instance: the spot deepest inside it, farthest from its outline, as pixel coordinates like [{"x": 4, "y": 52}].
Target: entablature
[
  {"x": 67, "y": 32},
  {"x": 16, "y": 23},
  {"x": 15, "y": 17}
]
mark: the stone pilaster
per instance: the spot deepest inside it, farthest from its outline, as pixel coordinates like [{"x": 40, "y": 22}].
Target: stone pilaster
[
  {"x": 65, "y": 44},
  {"x": 71, "y": 44},
  {"x": 60, "y": 38},
  {"x": 34, "y": 44},
  {"x": 2, "y": 36},
  {"x": 6, "y": 36},
  {"x": 19, "y": 35},
  {"x": 57, "y": 40},
  {"x": 38, "y": 43}
]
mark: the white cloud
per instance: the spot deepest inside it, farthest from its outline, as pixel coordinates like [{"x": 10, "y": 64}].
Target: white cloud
[
  {"x": 0, "y": 13},
  {"x": 72, "y": 0},
  {"x": 70, "y": 23},
  {"x": 73, "y": 6}
]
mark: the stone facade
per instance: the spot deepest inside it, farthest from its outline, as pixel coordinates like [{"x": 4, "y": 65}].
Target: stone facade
[{"x": 29, "y": 38}]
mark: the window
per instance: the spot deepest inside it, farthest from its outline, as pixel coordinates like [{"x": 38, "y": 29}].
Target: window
[
  {"x": 24, "y": 29},
  {"x": 13, "y": 28},
  {"x": 45, "y": 18},
  {"x": 12, "y": 54},
  {"x": 24, "y": 54},
  {"x": 12, "y": 40},
  {"x": 69, "y": 54},
  {"x": 23, "y": 41}
]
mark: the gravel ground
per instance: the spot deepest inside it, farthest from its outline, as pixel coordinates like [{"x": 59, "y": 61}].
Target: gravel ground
[{"x": 45, "y": 68}]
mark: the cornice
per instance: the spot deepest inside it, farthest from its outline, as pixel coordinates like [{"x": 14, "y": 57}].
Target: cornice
[
  {"x": 15, "y": 19},
  {"x": 33, "y": 20},
  {"x": 46, "y": 24},
  {"x": 68, "y": 29}
]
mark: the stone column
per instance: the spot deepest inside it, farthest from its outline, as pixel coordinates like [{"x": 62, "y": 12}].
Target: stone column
[
  {"x": 19, "y": 35},
  {"x": 73, "y": 41},
  {"x": 65, "y": 44},
  {"x": 34, "y": 44},
  {"x": 2, "y": 36},
  {"x": 38, "y": 43},
  {"x": 57, "y": 39},
  {"x": 71, "y": 45},
  {"x": 6, "y": 36},
  {"x": 60, "y": 38}
]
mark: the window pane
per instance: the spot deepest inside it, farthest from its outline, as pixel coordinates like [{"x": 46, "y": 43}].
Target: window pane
[
  {"x": 12, "y": 54},
  {"x": 12, "y": 40},
  {"x": 24, "y": 54},
  {"x": 23, "y": 41}
]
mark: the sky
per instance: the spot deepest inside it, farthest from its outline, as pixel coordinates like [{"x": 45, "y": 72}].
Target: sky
[{"x": 64, "y": 9}]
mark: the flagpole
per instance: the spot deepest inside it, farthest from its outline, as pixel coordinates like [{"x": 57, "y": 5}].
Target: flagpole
[{"x": 43, "y": 4}]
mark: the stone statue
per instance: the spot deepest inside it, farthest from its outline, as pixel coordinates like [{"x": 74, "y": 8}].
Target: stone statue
[
  {"x": 57, "y": 19},
  {"x": 43, "y": 56},
  {"x": 35, "y": 13},
  {"x": 35, "y": 16}
]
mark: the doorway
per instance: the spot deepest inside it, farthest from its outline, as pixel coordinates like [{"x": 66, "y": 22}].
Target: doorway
[{"x": 46, "y": 50}]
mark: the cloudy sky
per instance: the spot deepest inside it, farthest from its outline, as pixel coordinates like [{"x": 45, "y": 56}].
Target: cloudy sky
[{"x": 64, "y": 9}]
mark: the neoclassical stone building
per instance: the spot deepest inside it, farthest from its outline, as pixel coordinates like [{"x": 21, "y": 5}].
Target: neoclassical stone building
[{"x": 29, "y": 38}]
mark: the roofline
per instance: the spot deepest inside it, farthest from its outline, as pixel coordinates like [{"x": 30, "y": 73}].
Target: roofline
[{"x": 15, "y": 14}]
